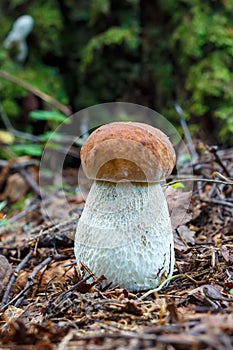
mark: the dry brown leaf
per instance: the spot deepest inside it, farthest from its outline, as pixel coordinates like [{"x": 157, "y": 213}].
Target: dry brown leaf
[
  {"x": 224, "y": 251},
  {"x": 15, "y": 189},
  {"x": 178, "y": 204},
  {"x": 209, "y": 295},
  {"x": 56, "y": 274},
  {"x": 182, "y": 236},
  {"x": 12, "y": 313},
  {"x": 14, "y": 186}
]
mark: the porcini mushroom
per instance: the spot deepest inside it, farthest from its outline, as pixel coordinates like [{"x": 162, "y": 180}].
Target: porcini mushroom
[{"x": 125, "y": 230}]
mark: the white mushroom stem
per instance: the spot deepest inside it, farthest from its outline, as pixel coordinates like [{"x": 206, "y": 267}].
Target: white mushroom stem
[
  {"x": 125, "y": 233},
  {"x": 16, "y": 39}
]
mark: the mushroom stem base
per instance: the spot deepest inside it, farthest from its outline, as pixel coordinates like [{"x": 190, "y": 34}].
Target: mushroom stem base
[{"x": 125, "y": 233}]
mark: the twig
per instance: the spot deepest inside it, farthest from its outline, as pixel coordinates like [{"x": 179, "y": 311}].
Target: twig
[
  {"x": 168, "y": 338},
  {"x": 30, "y": 282},
  {"x": 15, "y": 132},
  {"x": 187, "y": 135},
  {"x": 19, "y": 297},
  {"x": 14, "y": 165},
  {"x": 117, "y": 335},
  {"x": 76, "y": 285},
  {"x": 54, "y": 228},
  {"x": 214, "y": 150},
  {"x": 65, "y": 295},
  {"x": 31, "y": 182},
  {"x": 20, "y": 215},
  {"x": 31, "y": 207},
  {"x": 217, "y": 201},
  {"x": 86, "y": 268},
  {"x": 187, "y": 179},
  {"x": 169, "y": 279},
  {"x": 14, "y": 276},
  {"x": 216, "y": 173},
  {"x": 64, "y": 109},
  {"x": 15, "y": 298}
]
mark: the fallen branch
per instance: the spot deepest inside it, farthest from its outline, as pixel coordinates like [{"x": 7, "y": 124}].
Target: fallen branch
[
  {"x": 218, "y": 160},
  {"x": 11, "y": 129},
  {"x": 64, "y": 109},
  {"x": 13, "y": 278},
  {"x": 217, "y": 201},
  {"x": 30, "y": 281},
  {"x": 198, "y": 179}
]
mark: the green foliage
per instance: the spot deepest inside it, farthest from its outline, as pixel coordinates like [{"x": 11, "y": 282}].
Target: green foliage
[
  {"x": 225, "y": 113},
  {"x": 47, "y": 27},
  {"x": 112, "y": 36},
  {"x": 177, "y": 185},
  {"x": 86, "y": 53},
  {"x": 19, "y": 204},
  {"x": 98, "y": 7},
  {"x": 43, "y": 78},
  {"x": 52, "y": 116},
  {"x": 2, "y": 205},
  {"x": 5, "y": 222},
  {"x": 204, "y": 38},
  {"x": 30, "y": 149},
  {"x": 44, "y": 38},
  {"x": 53, "y": 137}
]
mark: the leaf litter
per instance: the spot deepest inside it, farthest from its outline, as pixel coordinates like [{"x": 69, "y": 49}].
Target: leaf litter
[{"x": 47, "y": 303}]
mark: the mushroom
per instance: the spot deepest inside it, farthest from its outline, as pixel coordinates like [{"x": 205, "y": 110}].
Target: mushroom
[
  {"x": 125, "y": 230},
  {"x": 16, "y": 39}
]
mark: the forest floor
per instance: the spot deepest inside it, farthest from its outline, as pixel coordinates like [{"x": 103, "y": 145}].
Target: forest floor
[{"x": 47, "y": 303}]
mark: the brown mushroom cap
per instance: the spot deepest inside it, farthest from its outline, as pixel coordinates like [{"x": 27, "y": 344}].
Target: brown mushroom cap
[{"x": 127, "y": 151}]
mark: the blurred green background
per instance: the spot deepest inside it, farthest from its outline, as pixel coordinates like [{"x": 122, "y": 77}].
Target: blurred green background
[{"x": 154, "y": 53}]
